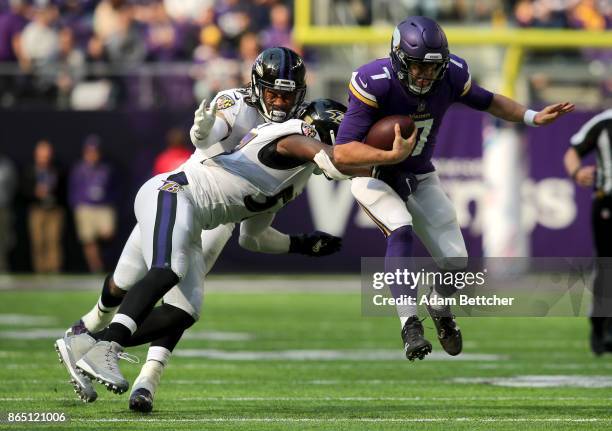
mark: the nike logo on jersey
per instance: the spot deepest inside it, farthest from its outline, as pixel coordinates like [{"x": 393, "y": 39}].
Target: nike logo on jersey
[{"x": 363, "y": 84}]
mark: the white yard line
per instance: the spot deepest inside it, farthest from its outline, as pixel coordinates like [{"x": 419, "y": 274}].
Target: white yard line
[
  {"x": 11, "y": 319},
  {"x": 541, "y": 381}
]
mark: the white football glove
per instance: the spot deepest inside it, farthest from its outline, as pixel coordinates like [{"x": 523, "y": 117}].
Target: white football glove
[{"x": 203, "y": 121}]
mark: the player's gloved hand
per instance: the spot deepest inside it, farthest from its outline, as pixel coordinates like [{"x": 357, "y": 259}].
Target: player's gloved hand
[
  {"x": 403, "y": 183},
  {"x": 315, "y": 244},
  {"x": 203, "y": 121}
]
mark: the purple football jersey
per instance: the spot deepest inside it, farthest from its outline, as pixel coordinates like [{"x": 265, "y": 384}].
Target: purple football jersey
[{"x": 376, "y": 92}]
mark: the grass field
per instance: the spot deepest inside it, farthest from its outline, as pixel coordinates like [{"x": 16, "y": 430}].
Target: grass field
[{"x": 303, "y": 360}]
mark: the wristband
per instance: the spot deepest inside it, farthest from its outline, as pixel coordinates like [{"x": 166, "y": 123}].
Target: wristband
[{"x": 529, "y": 118}]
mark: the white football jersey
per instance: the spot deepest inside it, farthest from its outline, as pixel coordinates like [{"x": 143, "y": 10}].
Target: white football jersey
[
  {"x": 239, "y": 116},
  {"x": 252, "y": 179}
]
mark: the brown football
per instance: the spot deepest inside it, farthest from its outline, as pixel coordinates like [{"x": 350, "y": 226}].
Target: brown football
[{"x": 382, "y": 133}]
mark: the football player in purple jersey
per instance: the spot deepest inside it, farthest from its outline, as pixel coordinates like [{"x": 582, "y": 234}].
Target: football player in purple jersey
[{"x": 420, "y": 78}]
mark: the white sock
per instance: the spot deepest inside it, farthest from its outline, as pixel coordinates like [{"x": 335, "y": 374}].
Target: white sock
[
  {"x": 404, "y": 312},
  {"x": 150, "y": 374},
  {"x": 404, "y": 319},
  {"x": 99, "y": 317}
]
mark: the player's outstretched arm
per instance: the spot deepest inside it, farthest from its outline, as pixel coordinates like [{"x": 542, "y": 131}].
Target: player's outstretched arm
[
  {"x": 510, "y": 110},
  {"x": 257, "y": 234},
  {"x": 209, "y": 127}
]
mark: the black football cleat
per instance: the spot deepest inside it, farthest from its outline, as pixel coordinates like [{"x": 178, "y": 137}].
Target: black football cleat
[
  {"x": 449, "y": 334},
  {"x": 415, "y": 344},
  {"x": 141, "y": 401}
]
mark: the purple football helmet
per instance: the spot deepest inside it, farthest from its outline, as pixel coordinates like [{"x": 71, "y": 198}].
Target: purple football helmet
[{"x": 419, "y": 53}]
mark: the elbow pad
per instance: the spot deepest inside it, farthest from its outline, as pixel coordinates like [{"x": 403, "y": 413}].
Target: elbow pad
[{"x": 477, "y": 98}]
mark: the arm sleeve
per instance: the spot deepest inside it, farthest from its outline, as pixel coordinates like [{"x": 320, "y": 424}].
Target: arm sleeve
[
  {"x": 464, "y": 89},
  {"x": 477, "y": 97},
  {"x": 362, "y": 109},
  {"x": 257, "y": 235},
  {"x": 585, "y": 140},
  {"x": 357, "y": 121}
]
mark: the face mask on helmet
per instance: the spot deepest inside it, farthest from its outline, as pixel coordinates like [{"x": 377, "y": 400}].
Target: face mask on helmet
[
  {"x": 277, "y": 104},
  {"x": 418, "y": 75}
]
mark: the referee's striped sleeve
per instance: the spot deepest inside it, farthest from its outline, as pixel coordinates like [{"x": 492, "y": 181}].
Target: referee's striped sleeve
[{"x": 580, "y": 136}]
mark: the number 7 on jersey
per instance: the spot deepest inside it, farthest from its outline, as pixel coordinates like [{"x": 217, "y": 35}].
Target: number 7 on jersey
[{"x": 424, "y": 128}]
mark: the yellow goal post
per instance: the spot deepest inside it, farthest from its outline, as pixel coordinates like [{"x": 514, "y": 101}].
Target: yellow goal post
[{"x": 515, "y": 40}]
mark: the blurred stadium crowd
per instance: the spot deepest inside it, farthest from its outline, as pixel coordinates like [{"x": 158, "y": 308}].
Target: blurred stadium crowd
[
  {"x": 54, "y": 41},
  {"x": 95, "y": 54}
]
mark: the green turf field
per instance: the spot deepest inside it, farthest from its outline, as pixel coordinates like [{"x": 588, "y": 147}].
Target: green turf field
[{"x": 310, "y": 361}]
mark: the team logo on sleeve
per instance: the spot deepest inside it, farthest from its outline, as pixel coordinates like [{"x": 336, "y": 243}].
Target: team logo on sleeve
[
  {"x": 224, "y": 102},
  {"x": 308, "y": 130},
  {"x": 170, "y": 187}
]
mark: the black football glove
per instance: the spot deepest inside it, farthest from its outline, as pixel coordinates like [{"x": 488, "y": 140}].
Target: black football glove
[
  {"x": 315, "y": 244},
  {"x": 403, "y": 183}
]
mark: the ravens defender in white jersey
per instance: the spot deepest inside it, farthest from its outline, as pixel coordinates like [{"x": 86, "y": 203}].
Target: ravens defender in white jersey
[
  {"x": 276, "y": 91},
  {"x": 268, "y": 169}
]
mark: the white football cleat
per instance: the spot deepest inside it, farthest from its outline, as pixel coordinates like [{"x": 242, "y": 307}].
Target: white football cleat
[
  {"x": 70, "y": 349},
  {"x": 102, "y": 364}
]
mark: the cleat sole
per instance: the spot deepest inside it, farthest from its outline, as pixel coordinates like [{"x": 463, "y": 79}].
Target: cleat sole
[
  {"x": 109, "y": 386},
  {"x": 78, "y": 389},
  {"x": 141, "y": 405},
  {"x": 419, "y": 353}
]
